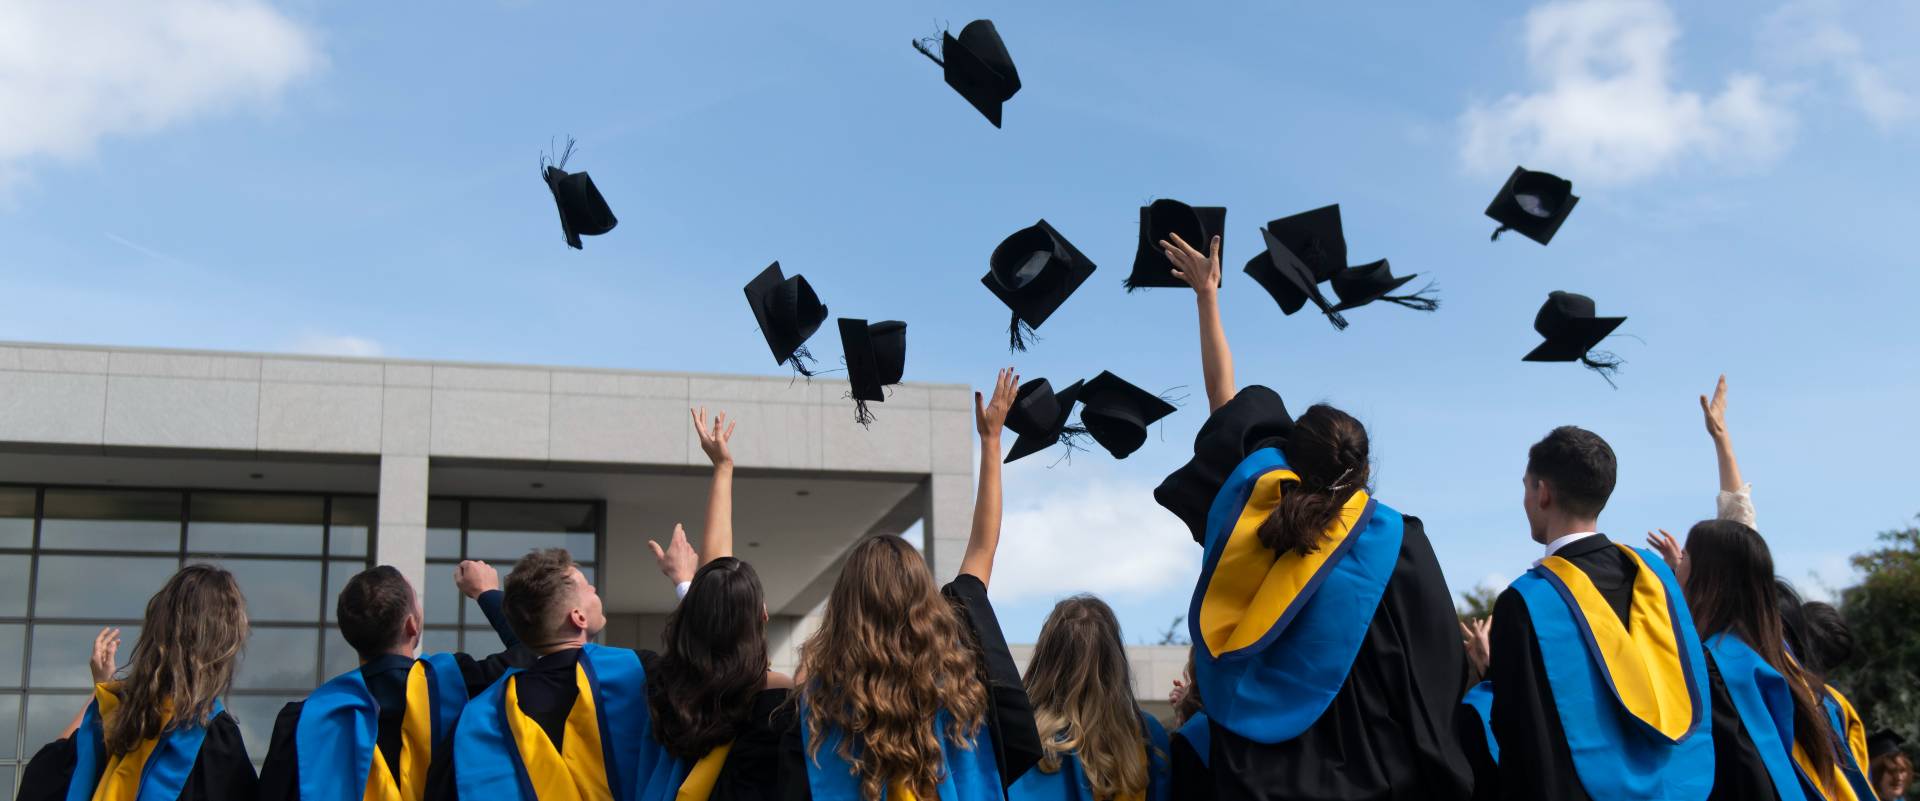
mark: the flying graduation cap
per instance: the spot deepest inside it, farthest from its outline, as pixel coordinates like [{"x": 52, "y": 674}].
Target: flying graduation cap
[
  {"x": 1572, "y": 332},
  {"x": 1116, "y": 414},
  {"x": 789, "y": 313},
  {"x": 1533, "y": 203},
  {"x": 583, "y": 212},
  {"x": 1038, "y": 418},
  {"x": 1160, "y": 220},
  {"x": 1303, "y": 250},
  {"x": 876, "y": 357},
  {"x": 1359, "y": 286},
  {"x": 1033, "y": 272},
  {"x": 977, "y": 66}
]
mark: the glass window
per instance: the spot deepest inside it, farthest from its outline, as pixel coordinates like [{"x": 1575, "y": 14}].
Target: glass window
[
  {"x": 437, "y": 640},
  {"x": 338, "y": 574},
  {"x": 60, "y": 654},
  {"x": 339, "y": 656},
  {"x": 481, "y": 642},
  {"x": 442, "y": 598},
  {"x": 16, "y": 518},
  {"x": 111, "y": 587},
  {"x": 9, "y": 729},
  {"x": 276, "y": 524},
  {"x": 6, "y": 776},
  {"x": 13, "y": 654},
  {"x": 48, "y": 714},
  {"x": 443, "y": 529},
  {"x": 500, "y": 531},
  {"x": 280, "y": 659},
  {"x": 278, "y": 590},
  {"x": 111, "y": 520},
  {"x": 14, "y": 571},
  {"x": 353, "y": 519},
  {"x": 256, "y": 714}
]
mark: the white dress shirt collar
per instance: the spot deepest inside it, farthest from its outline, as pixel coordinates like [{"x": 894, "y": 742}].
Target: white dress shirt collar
[{"x": 1564, "y": 541}]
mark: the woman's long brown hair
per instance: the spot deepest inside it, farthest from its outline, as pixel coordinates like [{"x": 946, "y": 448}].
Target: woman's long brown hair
[
  {"x": 190, "y": 644},
  {"x": 891, "y": 653},
  {"x": 1082, "y": 694},
  {"x": 1328, "y": 451},
  {"x": 1730, "y": 588}
]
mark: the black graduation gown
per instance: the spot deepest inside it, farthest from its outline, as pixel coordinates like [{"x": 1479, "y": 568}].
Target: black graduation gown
[
  {"x": 1389, "y": 732},
  {"x": 1016, "y": 740},
  {"x": 1738, "y": 773},
  {"x": 1191, "y": 779},
  {"x": 752, "y": 769},
  {"x": 546, "y": 688},
  {"x": 1486, "y": 772},
  {"x": 222, "y": 772},
  {"x": 387, "y": 680},
  {"x": 1535, "y": 762}
]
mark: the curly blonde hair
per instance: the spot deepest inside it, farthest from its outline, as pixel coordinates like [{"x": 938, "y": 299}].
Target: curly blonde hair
[
  {"x": 1082, "y": 691},
  {"x": 190, "y": 645},
  {"x": 889, "y": 655}
]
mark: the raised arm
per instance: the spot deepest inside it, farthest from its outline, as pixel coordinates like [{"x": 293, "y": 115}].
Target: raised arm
[
  {"x": 1202, "y": 272},
  {"x": 988, "y": 417},
  {"x": 1734, "y": 502},
  {"x": 717, "y": 540}
]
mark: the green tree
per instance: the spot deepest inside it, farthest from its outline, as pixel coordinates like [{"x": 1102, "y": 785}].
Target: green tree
[
  {"x": 1477, "y": 602},
  {"x": 1883, "y": 611}
]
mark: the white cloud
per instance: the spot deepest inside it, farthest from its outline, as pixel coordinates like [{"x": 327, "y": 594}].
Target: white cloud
[
  {"x": 1816, "y": 33},
  {"x": 1607, "y": 109},
  {"x": 74, "y": 71},
  {"x": 333, "y": 345},
  {"x": 1100, "y": 536}
]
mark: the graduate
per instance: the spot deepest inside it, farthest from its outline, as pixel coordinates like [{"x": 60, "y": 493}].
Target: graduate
[
  {"x": 1599, "y": 681},
  {"x": 1324, "y": 635},
  {"x": 1189, "y": 742},
  {"x": 371, "y": 732},
  {"x": 907, "y": 689},
  {"x": 1099, "y": 745},
  {"x": 160, "y": 731},
  {"x": 719, "y": 712}
]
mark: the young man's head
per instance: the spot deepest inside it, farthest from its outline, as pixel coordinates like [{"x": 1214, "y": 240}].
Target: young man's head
[
  {"x": 549, "y": 602},
  {"x": 1569, "y": 477},
  {"x": 379, "y": 613}
]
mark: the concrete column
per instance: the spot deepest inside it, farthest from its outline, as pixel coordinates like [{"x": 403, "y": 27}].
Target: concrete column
[
  {"x": 402, "y": 538},
  {"x": 948, "y": 521}
]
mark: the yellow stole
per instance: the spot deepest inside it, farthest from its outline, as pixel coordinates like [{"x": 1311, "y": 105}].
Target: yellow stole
[
  {"x": 1252, "y": 587},
  {"x": 1642, "y": 660},
  {"x": 416, "y": 747},
  {"x": 698, "y": 785},
  {"x": 580, "y": 772},
  {"x": 121, "y": 779},
  {"x": 1835, "y": 786}
]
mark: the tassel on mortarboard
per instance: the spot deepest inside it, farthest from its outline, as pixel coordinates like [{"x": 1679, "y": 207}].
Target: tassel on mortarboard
[
  {"x": 1018, "y": 332},
  {"x": 1604, "y": 363},
  {"x": 862, "y": 414},
  {"x": 801, "y": 356},
  {"x": 1425, "y": 300},
  {"x": 1497, "y": 232}
]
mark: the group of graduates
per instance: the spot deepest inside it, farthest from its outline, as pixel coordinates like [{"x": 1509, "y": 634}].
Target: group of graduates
[{"x": 1328, "y": 662}]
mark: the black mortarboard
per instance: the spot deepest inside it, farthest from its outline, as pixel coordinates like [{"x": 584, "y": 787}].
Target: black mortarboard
[
  {"x": 1197, "y": 225},
  {"x": 1884, "y": 742},
  {"x": 1572, "y": 331},
  {"x": 789, "y": 312},
  {"x": 1533, "y": 203},
  {"x": 1359, "y": 286},
  {"x": 977, "y": 66},
  {"x": 1302, "y": 251},
  {"x": 1116, "y": 414},
  {"x": 583, "y": 212},
  {"x": 1039, "y": 415},
  {"x": 876, "y": 357},
  {"x": 1033, "y": 272}
]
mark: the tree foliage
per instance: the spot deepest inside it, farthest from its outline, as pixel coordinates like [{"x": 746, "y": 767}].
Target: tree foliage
[
  {"x": 1883, "y": 612},
  {"x": 1477, "y": 602}
]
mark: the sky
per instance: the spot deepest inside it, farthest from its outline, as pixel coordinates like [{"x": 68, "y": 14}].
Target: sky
[{"x": 360, "y": 179}]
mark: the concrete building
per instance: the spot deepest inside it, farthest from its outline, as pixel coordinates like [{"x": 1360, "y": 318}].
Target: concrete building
[{"x": 117, "y": 465}]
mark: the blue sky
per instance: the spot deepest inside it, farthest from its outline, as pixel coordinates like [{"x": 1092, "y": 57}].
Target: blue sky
[{"x": 346, "y": 177}]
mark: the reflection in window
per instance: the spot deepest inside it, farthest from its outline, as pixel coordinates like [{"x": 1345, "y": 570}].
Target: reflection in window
[
  {"x": 255, "y": 714},
  {"x": 353, "y": 521},
  {"x": 60, "y": 654},
  {"x": 337, "y": 655},
  {"x": 278, "y": 590},
  {"x": 280, "y": 659},
  {"x": 443, "y": 529},
  {"x": 111, "y": 520},
  {"x": 338, "y": 574},
  {"x": 13, "y": 652},
  {"x": 441, "y": 597},
  {"x": 274, "y": 524},
  {"x": 438, "y": 640},
  {"x": 110, "y": 587},
  {"x": 47, "y": 714},
  {"x": 507, "y": 531},
  {"x": 14, "y": 571},
  {"x": 16, "y": 518},
  {"x": 9, "y": 729}
]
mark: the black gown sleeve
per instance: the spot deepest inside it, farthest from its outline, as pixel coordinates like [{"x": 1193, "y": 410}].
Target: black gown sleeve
[
  {"x": 1191, "y": 779},
  {"x": 440, "y": 784},
  {"x": 479, "y": 674},
  {"x": 1535, "y": 762},
  {"x": 280, "y": 774},
  {"x": 793, "y": 764},
  {"x": 491, "y": 603},
  {"x": 1255, "y": 418},
  {"x": 1016, "y": 738},
  {"x": 753, "y": 768},
  {"x": 46, "y": 776},
  {"x": 1738, "y": 772},
  {"x": 223, "y": 772}
]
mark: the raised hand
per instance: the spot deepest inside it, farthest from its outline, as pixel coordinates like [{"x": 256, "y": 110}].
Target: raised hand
[
  {"x": 1670, "y": 550},
  {"x": 475, "y": 578},
  {"x": 677, "y": 561},
  {"x": 1479, "y": 651},
  {"x": 1179, "y": 692},
  {"x": 991, "y": 416},
  {"x": 713, "y": 440},
  {"x": 1716, "y": 410},
  {"x": 1200, "y": 271},
  {"x": 106, "y": 646}
]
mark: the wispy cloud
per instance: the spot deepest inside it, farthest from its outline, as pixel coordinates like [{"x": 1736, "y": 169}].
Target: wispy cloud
[
  {"x": 75, "y": 71},
  {"x": 319, "y": 344},
  {"x": 1820, "y": 34},
  {"x": 144, "y": 250},
  {"x": 1607, "y": 108},
  {"x": 1103, "y": 536}
]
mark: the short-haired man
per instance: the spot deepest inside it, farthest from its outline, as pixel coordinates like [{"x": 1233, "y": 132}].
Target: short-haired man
[
  {"x": 372, "y": 732},
  {"x": 1599, "y": 681},
  {"x": 588, "y": 699}
]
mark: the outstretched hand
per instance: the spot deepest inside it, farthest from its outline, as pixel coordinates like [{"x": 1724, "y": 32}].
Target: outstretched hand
[
  {"x": 713, "y": 439},
  {"x": 1670, "y": 551},
  {"x": 106, "y": 647},
  {"x": 989, "y": 417},
  {"x": 1716, "y": 410},
  {"x": 677, "y": 560},
  {"x": 1475, "y": 633},
  {"x": 1200, "y": 271}
]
